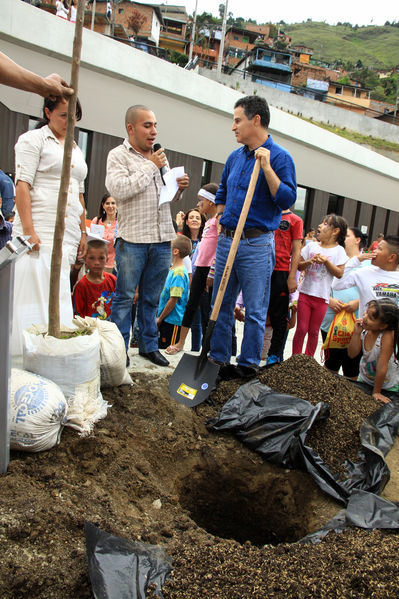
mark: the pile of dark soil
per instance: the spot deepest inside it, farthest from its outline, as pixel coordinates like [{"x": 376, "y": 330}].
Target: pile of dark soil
[
  {"x": 335, "y": 439},
  {"x": 153, "y": 472}
]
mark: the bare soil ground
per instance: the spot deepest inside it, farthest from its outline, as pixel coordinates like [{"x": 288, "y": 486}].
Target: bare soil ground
[{"x": 227, "y": 519}]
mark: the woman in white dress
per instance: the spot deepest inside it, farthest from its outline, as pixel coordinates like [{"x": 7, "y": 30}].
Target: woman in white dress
[
  {"x": 72, "y": 12},
  {"x": 39, "y": 156},
  {"x": 62, "y": 9}
]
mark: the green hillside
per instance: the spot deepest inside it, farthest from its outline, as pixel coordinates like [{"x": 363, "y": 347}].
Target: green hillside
[{"x": 376, "y": 47}]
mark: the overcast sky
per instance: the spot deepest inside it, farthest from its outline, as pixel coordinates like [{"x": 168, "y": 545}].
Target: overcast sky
[{"x": 293, "y": 11}]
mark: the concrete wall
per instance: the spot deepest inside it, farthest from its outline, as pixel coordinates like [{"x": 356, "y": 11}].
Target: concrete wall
[
  {"x": 378, "y": 222},
  {"x": 318, "y": 207},
  {"x": 393, "y": 224},
  {"x": 364, "y": 218},
  {"x": 349, "y": 210},
  {"x": 311, "y": 109},
  {"x": 194, "y": 113}
]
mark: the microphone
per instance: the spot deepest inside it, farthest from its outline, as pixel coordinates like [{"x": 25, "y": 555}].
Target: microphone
[{"x": 163, "y": 169}]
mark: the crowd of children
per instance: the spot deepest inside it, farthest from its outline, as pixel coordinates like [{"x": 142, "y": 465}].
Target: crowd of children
[
  {"x": 315, "y": 279},
  {"x": 326, "y": 273}
]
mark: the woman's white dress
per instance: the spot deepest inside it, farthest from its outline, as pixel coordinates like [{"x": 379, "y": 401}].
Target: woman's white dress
[
  {"x": 61, "y": 11},
  {"x": 39, "y": 157}
]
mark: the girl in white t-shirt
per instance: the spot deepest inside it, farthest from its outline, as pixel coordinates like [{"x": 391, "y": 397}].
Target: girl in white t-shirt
[
  {"x": 377, "y": 334},
  {"x": 321, "y": 261}
]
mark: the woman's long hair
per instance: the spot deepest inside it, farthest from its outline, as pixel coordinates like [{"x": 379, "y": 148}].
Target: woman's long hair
[
  {"x": 53, "y": 103},
  {"x": 338, "y": 222},
  {"x": 102, "y": 215},
  {"x": 186, "y": 229}
]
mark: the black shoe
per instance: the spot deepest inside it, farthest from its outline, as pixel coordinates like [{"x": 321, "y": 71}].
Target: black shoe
[
  {"x": 246, "y": 372},
  {"x": 155, "y": 357},
  {"x": 227, "y": 372}
]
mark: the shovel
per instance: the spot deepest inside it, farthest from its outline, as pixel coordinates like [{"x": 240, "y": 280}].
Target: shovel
[{"x": 194, "y": 377}]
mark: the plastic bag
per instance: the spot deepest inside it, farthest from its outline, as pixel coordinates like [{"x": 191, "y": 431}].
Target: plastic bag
[
  {"x": 365, "y": 510},
  {"x": 112, "y": 351},
  {"x": 38, "y": 411},
  {"x": 123, "y": 569},
  {"x": 340, "y": 331},
  {"x": 275, "y": 425},
  {"x": 74, "y": 364}
]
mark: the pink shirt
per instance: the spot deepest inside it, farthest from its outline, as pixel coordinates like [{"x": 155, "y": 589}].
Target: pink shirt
[
  {"x": 109, "y": 234},
  {"x": 207, "y": 247}
]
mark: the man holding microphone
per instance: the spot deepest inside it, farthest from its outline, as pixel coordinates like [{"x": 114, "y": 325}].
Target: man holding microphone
[{"x": 145, "y": 229}]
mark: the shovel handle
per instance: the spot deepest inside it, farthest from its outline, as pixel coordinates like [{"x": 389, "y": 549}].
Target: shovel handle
[{"x": 236, "y": 241}]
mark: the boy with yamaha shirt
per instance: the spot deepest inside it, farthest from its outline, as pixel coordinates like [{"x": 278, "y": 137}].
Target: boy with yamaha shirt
[
  {"x": 287, "y": 239},
  {"x": 381, "y": 279}
]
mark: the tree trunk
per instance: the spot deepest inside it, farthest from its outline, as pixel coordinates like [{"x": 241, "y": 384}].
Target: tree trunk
[{"x": 56, "y": 258}]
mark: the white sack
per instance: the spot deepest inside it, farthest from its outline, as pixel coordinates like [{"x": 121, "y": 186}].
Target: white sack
[
  {"x": 112, "y": 351},
  {"x": 38, "y": 411},
  {"x": 74, "y": 364}
]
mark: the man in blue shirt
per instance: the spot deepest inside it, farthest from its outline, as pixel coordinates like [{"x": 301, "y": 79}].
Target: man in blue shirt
[{"x": 253, "y": 266}]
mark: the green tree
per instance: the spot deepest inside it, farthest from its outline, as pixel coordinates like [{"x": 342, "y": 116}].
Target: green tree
[
  {"x": 344, "y": 80},
  {"x": 378, "y": 93},
  {"x": 391, "y": 87},
  {"x": 279, "y": 45},
  {"x": 272, "y": 30},
  {"x": 178, "y": 58}
]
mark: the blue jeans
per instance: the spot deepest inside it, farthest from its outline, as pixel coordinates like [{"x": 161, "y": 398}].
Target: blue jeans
[
  {"x": 251, "y": 273},
  {"x": 145, "y": 265}
]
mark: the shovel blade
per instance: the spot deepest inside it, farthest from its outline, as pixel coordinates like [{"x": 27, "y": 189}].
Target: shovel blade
[{"x": 190, "y": 384}]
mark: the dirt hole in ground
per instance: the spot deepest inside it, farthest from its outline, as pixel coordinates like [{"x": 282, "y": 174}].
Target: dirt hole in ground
[{"x": 245, "y": 502}]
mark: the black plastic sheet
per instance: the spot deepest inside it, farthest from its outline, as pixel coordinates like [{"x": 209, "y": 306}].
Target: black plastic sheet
[
  {"x": 367, "y": 510},
  {"x": 364, "y": 510},
  {"x": 123, "y": 569},
  {"x": 275, "y": 425}
]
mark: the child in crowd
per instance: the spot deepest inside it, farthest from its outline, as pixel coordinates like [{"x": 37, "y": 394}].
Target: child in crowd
[
  {"x": 310, "y": 236},
  {"x": 174, "y": 295},
  {"x": 93, "y": 294},
  {"x": 287, "y": 239},
  {"x": 348, "y": 300},
  {"x": 206, "y": 252},
  {"x": 377, "y": 335},
  {"x": 106, "y": 225},
  {"x": 372, "y": 282},
  {"x": 321, "y": 260}
]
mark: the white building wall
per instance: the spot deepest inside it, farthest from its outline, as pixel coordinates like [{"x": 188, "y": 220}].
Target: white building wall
[
  {"x": 318, "y": 111},
  {"x": 193, "y": 112},
  {"x": 155, "y": 29}
]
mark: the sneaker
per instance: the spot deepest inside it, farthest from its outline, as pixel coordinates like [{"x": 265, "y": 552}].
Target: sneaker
[{"x": 272, "y": 360}]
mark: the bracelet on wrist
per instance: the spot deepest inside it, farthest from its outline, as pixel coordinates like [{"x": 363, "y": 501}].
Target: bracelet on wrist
[{"x": 83, "y": 232}]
